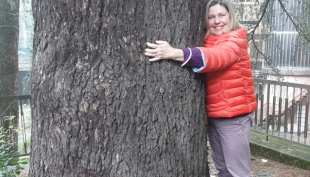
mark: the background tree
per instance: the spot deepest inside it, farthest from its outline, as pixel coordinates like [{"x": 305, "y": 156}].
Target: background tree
[
  {"x": 8, "y": 46},
  {"x": 99, "y": 107},
  {"x": 25, "y": 47},
  {"x": 8, "y": 55},
  {"x": 278, "y": 33}
]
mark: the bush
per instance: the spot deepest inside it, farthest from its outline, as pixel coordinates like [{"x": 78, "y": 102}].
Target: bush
[{"x": 8, "y": 154}]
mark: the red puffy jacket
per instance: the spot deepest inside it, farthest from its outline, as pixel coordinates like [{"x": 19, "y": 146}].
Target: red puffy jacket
[{"x": 229, "y": 81}]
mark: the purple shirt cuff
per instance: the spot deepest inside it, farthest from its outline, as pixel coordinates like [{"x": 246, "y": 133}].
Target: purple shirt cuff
[{"x": 195, "y": 61}]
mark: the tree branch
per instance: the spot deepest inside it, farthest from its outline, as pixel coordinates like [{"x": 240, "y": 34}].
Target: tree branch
[
  {"x": 274, "y": 69},
  {"x": 8, "y": 13},
  {"x": 259, "y": 21},
  {"x": 9, "y": 26},
  {"x": 298, "y": 29}
]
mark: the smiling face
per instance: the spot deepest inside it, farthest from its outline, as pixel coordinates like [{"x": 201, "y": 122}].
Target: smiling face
[{"x": 218, "y": 20}]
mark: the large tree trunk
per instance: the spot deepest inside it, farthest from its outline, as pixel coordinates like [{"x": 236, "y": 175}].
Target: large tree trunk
[{"x": 99, "y": 107}]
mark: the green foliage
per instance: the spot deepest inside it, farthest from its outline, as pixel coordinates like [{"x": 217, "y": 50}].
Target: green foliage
[
  {"x": 8, "y": 153},
  {"x": 24, "y": 161}
]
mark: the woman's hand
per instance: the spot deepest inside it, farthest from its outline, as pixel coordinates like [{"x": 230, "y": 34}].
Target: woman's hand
[{"x": 162, "y": 50}]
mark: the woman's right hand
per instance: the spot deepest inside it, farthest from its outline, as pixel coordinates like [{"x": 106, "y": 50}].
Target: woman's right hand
[{"x": 162, "y": 50}]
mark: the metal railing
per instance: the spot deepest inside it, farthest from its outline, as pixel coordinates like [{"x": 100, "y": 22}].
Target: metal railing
[
  {"x": 6, "y": 110},
  {"x": 283, "y": 110}
]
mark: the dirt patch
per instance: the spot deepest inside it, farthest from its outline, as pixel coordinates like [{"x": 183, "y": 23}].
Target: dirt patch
[
  {"x": 276, "y": 169},
  {"x": 262, "y": 167}
]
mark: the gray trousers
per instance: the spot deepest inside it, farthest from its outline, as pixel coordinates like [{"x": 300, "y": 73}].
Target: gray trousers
[{"x": 229, "y": 142}]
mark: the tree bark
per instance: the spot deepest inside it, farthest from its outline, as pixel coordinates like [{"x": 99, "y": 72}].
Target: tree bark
[{"x": 99, "y": 107}]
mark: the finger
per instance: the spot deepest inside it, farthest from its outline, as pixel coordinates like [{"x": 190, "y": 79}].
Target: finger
[
  {"x": 149, "y": 54},
  {"x": 161, "y": 42},
  {"x": 152, "y": 45},
  {"x": 154, "y": 59},
  {"x": 150, "y": 51}
]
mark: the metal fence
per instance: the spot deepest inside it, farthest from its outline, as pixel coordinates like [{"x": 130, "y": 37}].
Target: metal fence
[
  {"x": 7, "y": 110},
  {"x": 283, "y": 110}
]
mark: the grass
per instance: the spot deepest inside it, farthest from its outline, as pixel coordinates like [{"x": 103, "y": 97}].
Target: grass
[{"x": 279, "y": 150}]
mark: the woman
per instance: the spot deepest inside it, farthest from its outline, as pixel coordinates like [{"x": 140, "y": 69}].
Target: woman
[{"x": 230, "y": 99}]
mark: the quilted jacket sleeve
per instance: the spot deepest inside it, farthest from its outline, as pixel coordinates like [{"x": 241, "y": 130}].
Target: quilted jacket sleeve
[{"x": 218, "y": 56}]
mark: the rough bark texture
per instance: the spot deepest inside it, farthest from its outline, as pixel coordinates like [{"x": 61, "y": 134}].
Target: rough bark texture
[{"x": 99, "y": 107}]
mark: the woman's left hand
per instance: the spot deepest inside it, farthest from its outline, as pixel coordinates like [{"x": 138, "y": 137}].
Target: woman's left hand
[{"x": 162, "y": 50}]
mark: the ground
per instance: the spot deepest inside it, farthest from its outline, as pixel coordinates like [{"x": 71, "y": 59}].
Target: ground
[
  {"x": 259, "y": 169},
  {"x": 262, "y": 167},
  {"x": 275, "y": 169}
]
